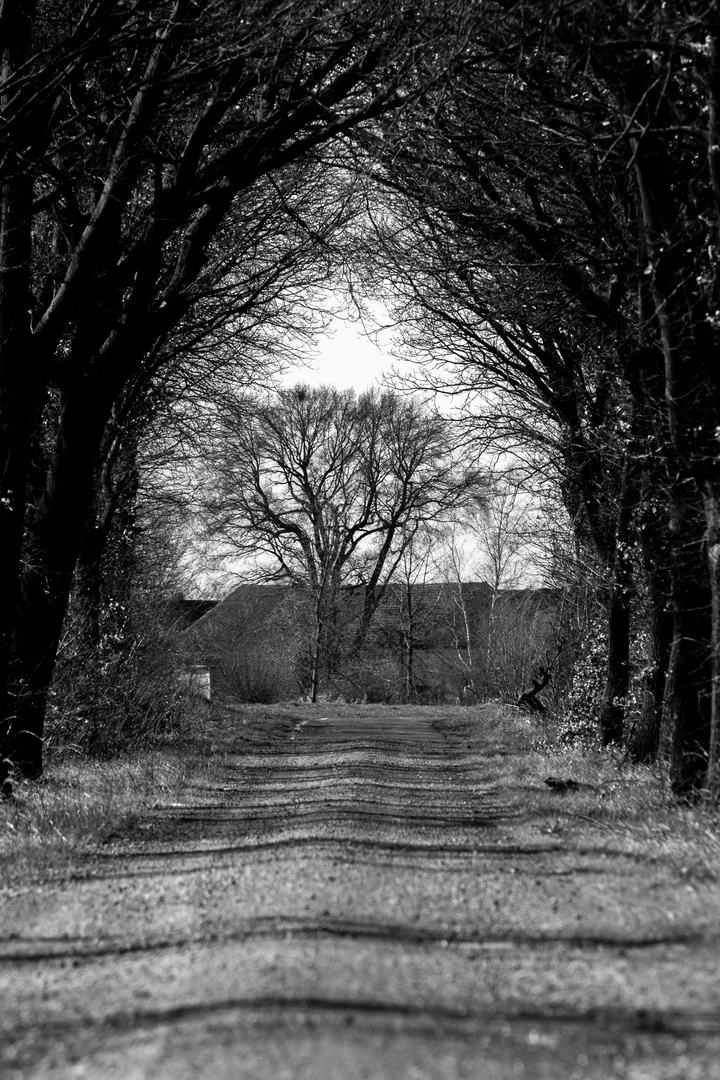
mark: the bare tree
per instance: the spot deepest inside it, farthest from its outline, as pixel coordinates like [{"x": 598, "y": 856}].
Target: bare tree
[
  {"x": 327, "y": 490},
  {"x": 507, "y": 292},
  {"x": 415, "y": 603}
]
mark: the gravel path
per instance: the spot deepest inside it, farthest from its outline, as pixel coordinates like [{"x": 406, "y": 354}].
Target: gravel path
[{"x": 360, "y": 899}]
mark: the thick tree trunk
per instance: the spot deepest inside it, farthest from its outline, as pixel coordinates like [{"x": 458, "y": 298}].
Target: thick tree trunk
[
  {"x": 689, "y": 709},
  {"x": 617, "y": 682},
  {"x": 608, "y": 527},
  {"x": 644, "y": 742},
  {"x": 711, "y": 485},
  {"x": 690, "y": 676},
  {"x": 645, "y": 368},
  {"x": 18, "y": 395},
  {"x": 20, "y": 385},
  {"x": 712, "y": 516},
  {"x": 371, "y": 597},
  {"x": 679, "y": 317},
  {"x": 320, "y": 658},
  {"x": 52, "y": 548},
  {"x": 87, "y": 586}
]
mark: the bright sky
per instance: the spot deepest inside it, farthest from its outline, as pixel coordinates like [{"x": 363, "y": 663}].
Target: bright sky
[{"x": 346, "y": 359}]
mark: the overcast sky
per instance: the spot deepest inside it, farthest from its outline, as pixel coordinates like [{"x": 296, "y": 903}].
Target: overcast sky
[{"x": 347, "y": 358}]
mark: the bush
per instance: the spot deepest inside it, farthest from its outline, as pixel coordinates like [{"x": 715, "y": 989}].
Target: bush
[
  {"x": 577, "y": 719},
  {"x": 125, "y": 694},
  {"x": 254, "y": 676}
]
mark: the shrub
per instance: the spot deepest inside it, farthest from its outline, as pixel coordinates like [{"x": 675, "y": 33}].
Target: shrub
[
  {"x": 372, "y": 680},
  {"x": 254, "y": 676},
  {"x": 124, "y": 694},
  {"x": 577, "y": 718}
]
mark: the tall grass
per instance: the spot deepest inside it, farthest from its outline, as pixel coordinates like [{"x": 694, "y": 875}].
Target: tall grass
[{"x": 76, "y": 805}]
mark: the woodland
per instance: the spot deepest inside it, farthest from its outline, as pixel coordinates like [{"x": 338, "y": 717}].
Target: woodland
[{"x": 531, "y": 190}]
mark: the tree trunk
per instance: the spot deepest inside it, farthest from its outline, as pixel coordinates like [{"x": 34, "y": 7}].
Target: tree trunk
[
  {"x": 17, "y": 412},
  {"x": 590, "y": 487},
  {"x": 409, "y": 664},
  {"x": 688, "y": 710},
  {"x": 644, "y": 742},
  {"x": 712, "y": 516},
  {"x": 645, "y": 367},
  {"x": 617, "y": 682},
  {"x": 678, "y": 315},
  {"x": 20, "y": 384},
  {"x": 316, "y": 657},
  {"x": 372, "y": 595},
  {"x": 87, "y": 586},
  {"x": 52, "y": 548},
  {"x": 690, "y": 679},
  {"x": 407, "y": 630}
]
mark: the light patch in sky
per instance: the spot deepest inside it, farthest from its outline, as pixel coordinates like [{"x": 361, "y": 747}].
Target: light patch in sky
[{"x": 345, "y": 358}]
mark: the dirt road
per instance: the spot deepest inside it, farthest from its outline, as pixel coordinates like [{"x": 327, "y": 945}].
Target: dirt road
[{"x": 360, "y": 895}]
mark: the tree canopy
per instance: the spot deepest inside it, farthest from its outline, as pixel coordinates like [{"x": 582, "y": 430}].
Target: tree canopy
[{"x": 552, "y": 222}]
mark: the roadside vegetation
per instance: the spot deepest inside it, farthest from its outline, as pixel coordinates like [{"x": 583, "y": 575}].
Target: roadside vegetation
[
  {"x": 633, "y": 805},
  {"x": 48, "y": 826}
]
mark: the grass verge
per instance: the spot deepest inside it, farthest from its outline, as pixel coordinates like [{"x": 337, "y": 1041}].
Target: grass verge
[
  {"x": 75, "y": 805},
  {"x": 633, "y": 805}
]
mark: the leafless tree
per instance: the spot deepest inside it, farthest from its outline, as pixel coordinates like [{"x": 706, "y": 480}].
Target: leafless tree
[{"x": 327, "y": 490}]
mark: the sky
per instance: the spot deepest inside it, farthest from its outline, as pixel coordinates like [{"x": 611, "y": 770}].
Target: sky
[{"x": 347, "y": 359}]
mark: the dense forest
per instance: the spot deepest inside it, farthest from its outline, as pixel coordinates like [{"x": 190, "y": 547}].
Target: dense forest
[{"x": 532, "y": 192}]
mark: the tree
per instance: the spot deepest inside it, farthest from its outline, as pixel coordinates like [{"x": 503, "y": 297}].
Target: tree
[
  {"x": 658, "y": 70},
  {"x": 131, "y": 133},
  {"x": 328, "y": 490},
  {"x": 568, "y": 200},
  {"x": 410, "y": 611},
  {"x": 495, "y": 558},
  {"x": 489, "y": 228},
  {"x": 269, "y": 294},
  {"x": 667, "y": 99}
]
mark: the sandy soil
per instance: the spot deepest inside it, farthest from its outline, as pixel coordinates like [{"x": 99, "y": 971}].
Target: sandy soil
[{"x": 359, "y": 893}]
